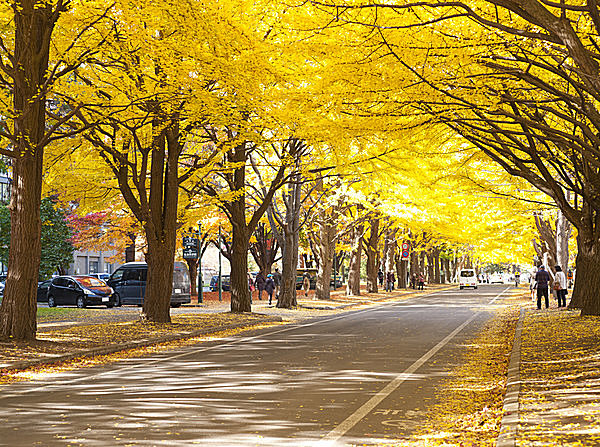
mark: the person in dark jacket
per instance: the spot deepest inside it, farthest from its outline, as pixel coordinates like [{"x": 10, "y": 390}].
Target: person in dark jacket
[
  {"x": 380, "y": 277},
  {"x": 389, "y": 283},
  {"x": 542, "y": 279},
  {"x": 277, "y": 281},
  {"x": 259, "y": 283},
  {"x": 270, "y": 287}
]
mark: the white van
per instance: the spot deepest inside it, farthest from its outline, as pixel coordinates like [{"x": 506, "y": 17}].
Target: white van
[{"x": 467, "y": 278}]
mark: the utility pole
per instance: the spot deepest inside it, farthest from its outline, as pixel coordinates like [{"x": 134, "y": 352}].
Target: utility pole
[
  {"x": 220, "y": 275},
  {"x": 200, "y": 277}
]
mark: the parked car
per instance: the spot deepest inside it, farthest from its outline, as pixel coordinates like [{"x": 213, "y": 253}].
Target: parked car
[
  {"x": 103, "y": 276},
  {"x": 467, "y": 278},
  {"x": 42, "y": 291},
  {"x": 225, "y": 283},
  {"x": 80, "y": 290},
  {"x": 129, "y": 283}
]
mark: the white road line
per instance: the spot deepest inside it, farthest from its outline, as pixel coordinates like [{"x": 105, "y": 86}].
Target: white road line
[{"x": 330, "y": 438}]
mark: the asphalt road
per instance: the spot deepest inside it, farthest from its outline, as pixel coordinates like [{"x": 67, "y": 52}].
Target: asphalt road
[{"x": 361, "y": 377}]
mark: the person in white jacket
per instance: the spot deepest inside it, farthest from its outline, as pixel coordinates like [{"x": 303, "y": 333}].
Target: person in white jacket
[{"x": 560, "y": 286}]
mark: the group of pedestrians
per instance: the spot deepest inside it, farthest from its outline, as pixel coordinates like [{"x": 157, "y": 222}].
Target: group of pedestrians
[
  {"x": 543, "y": 281},
  {"x": 269, "y": 284},
  {"x": 417, "y": 280}
]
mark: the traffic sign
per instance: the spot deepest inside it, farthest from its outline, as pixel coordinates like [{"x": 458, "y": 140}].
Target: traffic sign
[{"x": 405, "y": 251}]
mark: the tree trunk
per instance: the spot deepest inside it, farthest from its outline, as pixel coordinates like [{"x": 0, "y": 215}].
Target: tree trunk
[
  {"x": 353, "y": 286},
  {"x": 401, "y": 271},
  {"x": 240, "y": 294},
  {"x": 193, "y": 268},
  {"x": 18, "y": 309},
  {"x": 563, "y": 233},
  {"x": 586, "y": 292},
  {"x": 390, "y": 251},
  {"x": 34, "y": 22},
  {"x": 161, "y": 224},
  {"x": 414, "y": 264},
  {"x": 130, "y": 248},
  {"x": 436, "y": 266},
  {"x": 287, "y": 295},
  {"x": 159, "y": 283},
  {"x": 430, "y": 266},
  {"x": 422, "y": 262},
  {"x": 371, "y": 248},
  {"x": 447, "y": 270},
  {"x": 327, "y": 233}
]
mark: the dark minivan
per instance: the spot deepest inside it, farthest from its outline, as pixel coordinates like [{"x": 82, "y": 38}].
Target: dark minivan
[
  {"x": 79, "y": 290},
  {"x": 129, "y": 283}
]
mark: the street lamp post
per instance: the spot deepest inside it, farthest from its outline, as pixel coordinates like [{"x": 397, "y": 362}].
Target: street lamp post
[
  {"x": 200, "y": 277},
  {"x": 220, "y": 275}
]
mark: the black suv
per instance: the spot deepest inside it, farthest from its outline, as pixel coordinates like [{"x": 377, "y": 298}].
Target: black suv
[
  {"x": 80, "y": 291},
  {"x": 129, "y": 282}
]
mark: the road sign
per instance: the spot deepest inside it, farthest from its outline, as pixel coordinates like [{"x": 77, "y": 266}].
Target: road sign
[
  {"x": 405, "y": 251},
  {"x": 190, "y": 253},
  {"x": 190, "y": 247}
]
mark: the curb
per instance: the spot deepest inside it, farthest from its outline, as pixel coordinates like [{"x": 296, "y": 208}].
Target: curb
[
  {"x": 130, "y": 345},
  {"x": 510, "y": 410}
]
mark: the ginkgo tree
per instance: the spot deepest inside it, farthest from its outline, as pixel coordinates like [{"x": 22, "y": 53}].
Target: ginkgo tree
[
  {"x": 41, "y": 42},
  {"x": 517, "y": 80}
]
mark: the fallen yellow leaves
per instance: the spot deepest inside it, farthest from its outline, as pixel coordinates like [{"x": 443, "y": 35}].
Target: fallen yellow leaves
[
  {"x": 560, "y": 374},
  {"x": 470, "y": 402},
  {"x": 88, "y": 337}
]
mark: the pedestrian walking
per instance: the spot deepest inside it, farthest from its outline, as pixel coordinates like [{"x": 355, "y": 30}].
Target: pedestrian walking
[
  {"x": 306, "y": 283},
  {"x": 270, "y": 287},
  {"x": 389, "y": 278},
  {"x": 380, "y": 277},
  {"x": 413, "y": 280},
  {"x": 259, "y": 283},
  {"x": 532, "y": 285},
  {"x": 250, "y": 283},
  {"x": 277, "y": 281},
  {"x": 542, "y": 279},
  {"x": 421, "y": 281},
  {"x": 560, "y": 286}
]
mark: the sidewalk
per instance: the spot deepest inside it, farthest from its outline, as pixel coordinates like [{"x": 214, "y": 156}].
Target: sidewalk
[{"x": 82, "y": 339}]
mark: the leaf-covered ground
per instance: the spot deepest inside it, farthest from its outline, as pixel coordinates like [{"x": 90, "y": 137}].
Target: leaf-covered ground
[
  {"x": 67, "y": 340},
  {"x": 470, "y": 402},
  {"x": 560, "y": 373}
]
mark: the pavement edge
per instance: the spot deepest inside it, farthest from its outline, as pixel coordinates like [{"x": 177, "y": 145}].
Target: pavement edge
[{"x": 510, "y": 410}]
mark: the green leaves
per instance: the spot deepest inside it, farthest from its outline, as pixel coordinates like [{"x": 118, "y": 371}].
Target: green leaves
[{"x": 57, "y": 250}]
